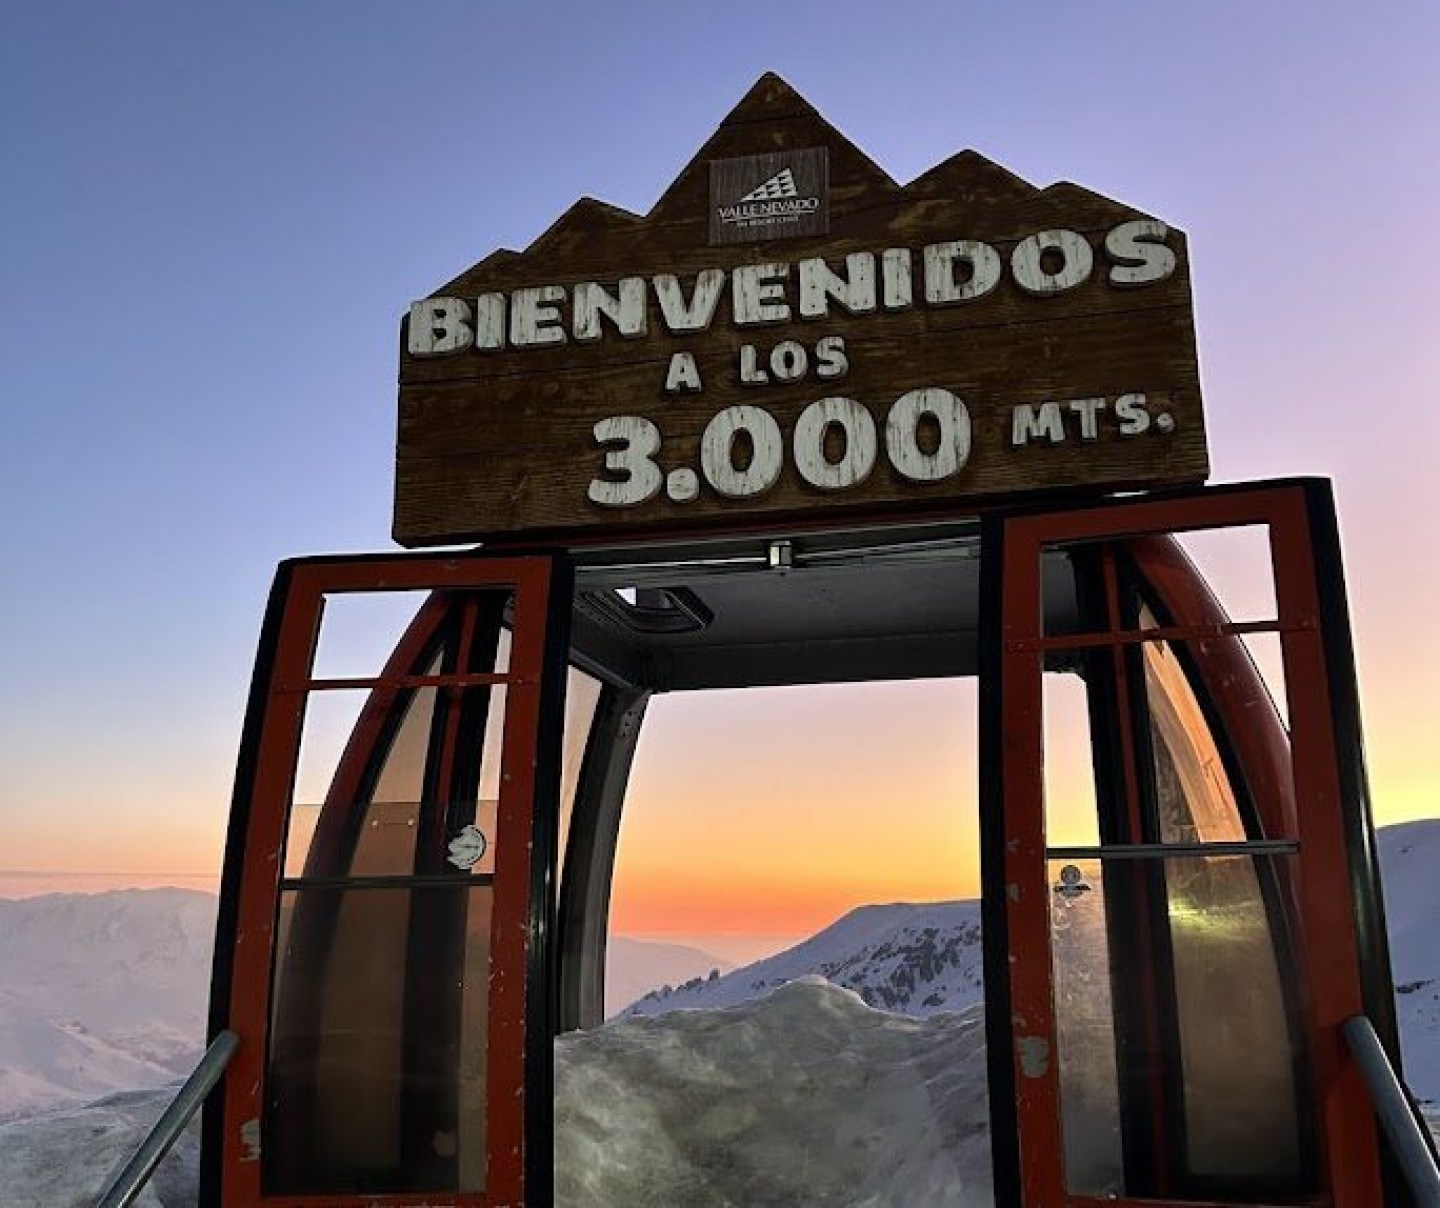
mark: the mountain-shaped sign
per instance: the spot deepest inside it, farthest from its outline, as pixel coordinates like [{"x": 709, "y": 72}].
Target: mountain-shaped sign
[{"x": 788, "y": 330}]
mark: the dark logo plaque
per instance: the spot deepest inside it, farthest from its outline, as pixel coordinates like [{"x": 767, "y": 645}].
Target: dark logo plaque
[{"x": 773, "y": 196}]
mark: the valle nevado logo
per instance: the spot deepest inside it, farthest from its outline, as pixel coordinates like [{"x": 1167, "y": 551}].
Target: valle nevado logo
[
  {"x": 782, "y": 184},
  {"x": 791, "y": 198}
]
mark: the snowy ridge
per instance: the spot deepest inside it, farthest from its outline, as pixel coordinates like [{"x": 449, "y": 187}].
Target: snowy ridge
[
  {"x": 912, "y": 959},
  {"x": 100, "y": 992}
]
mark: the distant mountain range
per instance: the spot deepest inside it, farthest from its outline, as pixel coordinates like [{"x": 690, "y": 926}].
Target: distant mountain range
[
  {"x": 100, "y": 992},
  {"x": 107, "y": 992},
  {"x": 634, "y": 967}
]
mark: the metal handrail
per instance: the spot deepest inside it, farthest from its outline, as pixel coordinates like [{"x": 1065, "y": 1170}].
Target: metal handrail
[
  {"x": 1396, "y": 1112},
  {"x": 166, "y": 1131}
]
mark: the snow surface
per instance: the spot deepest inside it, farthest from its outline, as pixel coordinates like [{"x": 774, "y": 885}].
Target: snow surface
[
  {"x": 65, "y": 1158},
  {"x": 657, "y": 1112},
  {"x": 652, "y": 1113},
  {"x": 857, "y": 1106}
]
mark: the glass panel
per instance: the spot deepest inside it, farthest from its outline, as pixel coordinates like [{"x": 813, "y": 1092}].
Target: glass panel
[
  {"x": 1233, "y": 564},
  {"x": 1193, "y": 799},
  {"x": 377, "y": 1063},
  {"x": 384, "y": 811},
  {"x": 1219, "y": 763},
  {"x": 329, "y": 722},
  {"x": 368, "y": 824},
  {"x": 492, "y": 745},
  {"x": 1237, "y": 566},
  {"x": 359, "y": 631},
  {"x": 1071, "y": 817},
  {"x": 1238, "y": 1055},
  {"x": 1180, "y": 1060},
  {"x": 1085, "y": 1027}
]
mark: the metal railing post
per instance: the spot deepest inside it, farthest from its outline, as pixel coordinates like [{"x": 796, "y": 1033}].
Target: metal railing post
[
  {"x": 166, "y": 1130},
  {"x": 1395, "y": 1112}
]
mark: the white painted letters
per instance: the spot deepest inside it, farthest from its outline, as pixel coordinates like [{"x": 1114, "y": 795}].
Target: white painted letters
[
  {"x": 757, "y": 294},
  {"x": 1034, "y": 276},
  {"x": 855, "y": 292},
  {"x": 830, "y": 358},
  {"x": 490, "y": 321},
  {"x": 1130, "y": 410},
  {"x": 941, "y": 287},
  {"x": 1088, "y": 409},
  {"x": 902, "y": 434},
  {"x": 639, "y": 441},
  {"x": 534, "y": 319},
  {"x": 750, "y": 372},
  {"x": 897, "y": 278},
  {"x": 858, "y": 460},
  {"x": 439, "y": 325},
  {"x": 683, "y": 374},
  {"x": 955, "y": 271},
  {"x": 627, "y": 312},
  {"x": 1140, "y": 253},
  {"x": 717, "y": 452},
  {"x": 1029, "y": 423},
  {"x": 697, "y": 313}
]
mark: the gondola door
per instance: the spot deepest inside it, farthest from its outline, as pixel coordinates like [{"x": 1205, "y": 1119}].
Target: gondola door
[
  {"x": 385, "y": 916},
  {"x": 1166, "y": 993}
]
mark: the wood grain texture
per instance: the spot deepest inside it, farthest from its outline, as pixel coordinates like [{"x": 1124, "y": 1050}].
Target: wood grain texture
[{"x": 500, "y": 441}]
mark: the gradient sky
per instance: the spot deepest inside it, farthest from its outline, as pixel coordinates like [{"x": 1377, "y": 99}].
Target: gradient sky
[{"x": 213, "y": 218}]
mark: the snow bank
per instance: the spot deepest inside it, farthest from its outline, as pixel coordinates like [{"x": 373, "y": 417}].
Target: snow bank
[
  {"x": 66, "y": 1158},
  {"x": 804, "y": 1097}
]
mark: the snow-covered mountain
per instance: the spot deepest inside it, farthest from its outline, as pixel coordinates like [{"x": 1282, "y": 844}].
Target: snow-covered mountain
[
  {"x": 911, "y": 959},
  {"x": 100, "y": 992},
  {"x": 1410, "y": 868}
]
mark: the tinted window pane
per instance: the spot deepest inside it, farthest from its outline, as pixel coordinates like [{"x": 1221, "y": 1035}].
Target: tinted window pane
[
  {"x": 377, "y": 1062},
  {"x": 1085, "y": 1027},
  {"x": 1170, "y": 1007},
  {"x": 1193, "y": 798}
]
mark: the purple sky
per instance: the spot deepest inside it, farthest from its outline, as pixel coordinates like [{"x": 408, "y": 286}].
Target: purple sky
[{"x": 213, "y": 219}]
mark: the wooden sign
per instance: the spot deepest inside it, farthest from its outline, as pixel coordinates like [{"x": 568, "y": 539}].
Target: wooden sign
[{"x": 789, "y": 330}]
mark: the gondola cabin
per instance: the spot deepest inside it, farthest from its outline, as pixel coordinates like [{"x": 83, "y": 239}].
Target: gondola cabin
[{"x": 802, "y": 425}]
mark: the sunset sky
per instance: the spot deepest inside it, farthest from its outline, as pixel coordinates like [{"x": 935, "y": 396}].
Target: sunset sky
[{"x": 213, "y": 220}]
